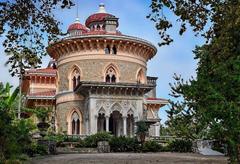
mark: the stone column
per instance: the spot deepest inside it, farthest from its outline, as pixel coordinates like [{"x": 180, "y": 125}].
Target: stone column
[
  {"x": 135, "y": 125},
  {"x": 124, "y": 125},
  {"x": 92, "y": 117},
  {"x": 107, "y": 123},
  {"x": 130, "y": 127},
  {"x": 157, "y": 129}
]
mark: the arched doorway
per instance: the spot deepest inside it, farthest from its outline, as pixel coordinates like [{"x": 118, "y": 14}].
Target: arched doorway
[
  {"x": 101, "y": 122},
  {"x": 115, "y": 123}
]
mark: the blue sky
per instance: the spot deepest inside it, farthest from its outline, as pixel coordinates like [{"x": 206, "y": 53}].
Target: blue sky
[{"x": 176, "y": 58}]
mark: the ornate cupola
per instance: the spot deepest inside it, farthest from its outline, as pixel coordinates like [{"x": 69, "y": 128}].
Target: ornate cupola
[
  {"x": 77, "y": 28},
  {"x": 102, "y": 21}
]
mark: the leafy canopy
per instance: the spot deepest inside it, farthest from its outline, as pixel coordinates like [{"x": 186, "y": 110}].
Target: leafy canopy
[
  {"x": 26, "y": 26},
  {"x": 208, "y": 106}
]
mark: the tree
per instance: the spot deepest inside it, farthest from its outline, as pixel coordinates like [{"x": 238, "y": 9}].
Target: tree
[
  {"x": 26, "y": 27},
  {"x": 209, "y": 106},
  {"x": 142, "y": 130},
  {"x": 14, "y": 134}
]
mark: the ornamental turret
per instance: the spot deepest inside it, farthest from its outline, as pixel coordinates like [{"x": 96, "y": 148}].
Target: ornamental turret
[
  {"x": 102, "y": 21},
  {"x": 77, "y": 28}
]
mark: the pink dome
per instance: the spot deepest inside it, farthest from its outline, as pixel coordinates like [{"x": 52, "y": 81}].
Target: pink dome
[
  {"x": 77, "y": 26},
  {"x": 98, "y": 17}
]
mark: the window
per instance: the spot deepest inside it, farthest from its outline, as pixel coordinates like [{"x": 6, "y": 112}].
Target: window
[
  {"x": 110, "y": 76},
  {"x": 98, "y": 27},
  {"x": 75, "y": 123},
  {"x": 140, "y": 77},
  {"x": 103, "y": 27},
  {"x": 75, "y": 77},
  {"x": 114, "y": 50},
  {"x": 107, "y": 50}
]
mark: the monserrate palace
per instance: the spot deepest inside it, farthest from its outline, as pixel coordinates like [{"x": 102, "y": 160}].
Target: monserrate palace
[{"x": 97, "y": 80}]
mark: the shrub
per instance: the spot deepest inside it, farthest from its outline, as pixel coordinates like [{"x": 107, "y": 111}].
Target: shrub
[
  {"x": 81, "y": 143},
  {"x": 142, "y": 130},
  {"x": 151, "y": 146},
  {"x": 73, "y": 138},
  {"x": 58, "y": 138},
  {"x": 180, "y": 146},
  {"x": 42, "y": 149},
  {"x": 35, "y": 148},
  {"x": 166, "y": 149},
  {"x": 124, "y": 144},
  {"x": 92, "y": 140}
]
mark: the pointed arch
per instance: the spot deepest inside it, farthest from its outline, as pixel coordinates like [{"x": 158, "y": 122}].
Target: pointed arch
[
  {"x": 74, "y": 77},
  {"x": 141, "y": 78},
  {"x": 111, "y": 73},
  {"x": 130, "y": 112},
  {"x": 74, "y": 120},
  {"x": 101, "y": 111},
  {"x": 116, "y": 107}
]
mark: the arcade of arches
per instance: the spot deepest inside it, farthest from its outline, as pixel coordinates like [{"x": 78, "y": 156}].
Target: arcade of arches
[{"x": 116, "y": 123}]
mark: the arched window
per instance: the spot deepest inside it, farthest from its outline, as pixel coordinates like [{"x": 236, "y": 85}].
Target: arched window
[
  {"x": 103, "y": 27},
  {"x": 75, "y": 123},
  {"x": 108, "y": 79},
  {"x": 75, "y": 78},
  {"x": 140, "y": 77},
  {"x": 107, "y": 50},
  {"x": 98, "y": 27},
  {"x": 114, "y": 50},
  {"x": 110, "y": 76},
  {"x": 74, "y": 82}
]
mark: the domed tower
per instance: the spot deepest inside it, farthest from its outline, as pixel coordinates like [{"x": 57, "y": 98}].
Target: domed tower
[
  {"x": 77, "y": 28},
  {"x": 102, "y": 83}
]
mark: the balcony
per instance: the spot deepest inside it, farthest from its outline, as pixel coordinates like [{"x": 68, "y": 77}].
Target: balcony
[{"x": 152, "y": 80}]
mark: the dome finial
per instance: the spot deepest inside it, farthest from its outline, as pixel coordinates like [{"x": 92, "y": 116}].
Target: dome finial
[
  {"x": 77, "y": 20},
  {"x": 102, "y": 8}
]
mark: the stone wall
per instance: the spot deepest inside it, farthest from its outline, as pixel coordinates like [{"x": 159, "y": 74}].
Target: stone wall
[
  {"x": 93, "y": 70},
  {"x": 63, "y": 111}
]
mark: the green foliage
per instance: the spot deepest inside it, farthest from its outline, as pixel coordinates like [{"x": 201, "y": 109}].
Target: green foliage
[
  {"x": 207, "y": 106},
  {"x": 14, "y": 134},
  {"x": 27, "y": 27},
  {"x": 35, "y": 148},
  {"x": 204, "y": 17},
  {"x": 180, "y": 146},
  {"x": 124, "y": 144},
  {"x": 142, "y": 130},
  {"x": 92, "y": 140},
  {"x": 151, "y": 146},
  {"x": 41, "y": 149},
  {"x": 57, "y": 138},
  {"x": 42, "y": 113}
]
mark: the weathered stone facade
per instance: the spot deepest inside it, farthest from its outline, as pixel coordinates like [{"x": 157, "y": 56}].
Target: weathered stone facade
[{"x": 93, "y": 70}]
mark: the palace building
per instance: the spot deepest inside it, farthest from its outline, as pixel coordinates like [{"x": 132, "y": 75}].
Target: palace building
[{"x": 97, "y": 80}]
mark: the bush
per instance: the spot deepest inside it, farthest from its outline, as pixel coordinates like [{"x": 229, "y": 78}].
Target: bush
[
  {"x": 151, "y": 146},
  {"x": 81, "y": 143},
  {"x": 142, "y": 130},
  {"x": 35, "y": 148},
  {"x": 92, "y": 140},
  {"x": 124, "y": 144},
  {"x": 58, "y": 138},
  {"x": 70, "y": 138},
  {"x": 41, "y": 149},
  {"x": 180, "y": 146}
]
